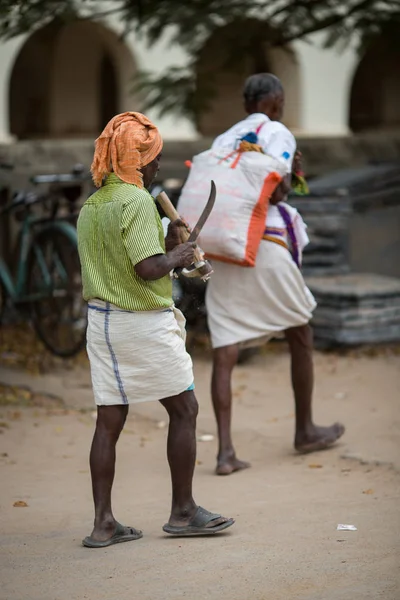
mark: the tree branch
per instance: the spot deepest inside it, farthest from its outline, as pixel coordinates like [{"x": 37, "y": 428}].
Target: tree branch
[{"x": 325, "y": 23}]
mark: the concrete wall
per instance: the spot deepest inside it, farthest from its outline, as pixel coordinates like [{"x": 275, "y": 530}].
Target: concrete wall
[
  {"x": 317, "y": 82},
  {"x": 326, "y": 77},
  {"x": 226, "y": 108},
  {"x": 62, "y": 87},
  {"x": 286, "y": 64},
  {"x": 375, "y": 98},
  {"x": 74, "y": 70},
  {"x": 75, "y": 107}
]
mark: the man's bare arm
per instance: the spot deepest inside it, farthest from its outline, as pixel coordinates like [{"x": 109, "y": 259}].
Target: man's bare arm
[{"x": 156, "y": 267}]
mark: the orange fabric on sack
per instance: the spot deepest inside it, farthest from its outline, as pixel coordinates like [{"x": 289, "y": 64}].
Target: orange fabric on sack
[
  {"x": 258, "y": 218},
  {"x": 129, "y": 142}
]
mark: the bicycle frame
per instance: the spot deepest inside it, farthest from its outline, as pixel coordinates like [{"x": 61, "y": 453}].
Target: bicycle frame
[{"x": 16, "y": 290}]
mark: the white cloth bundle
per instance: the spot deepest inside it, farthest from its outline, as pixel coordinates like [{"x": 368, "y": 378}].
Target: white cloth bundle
[{"x": 276, "y": 227}]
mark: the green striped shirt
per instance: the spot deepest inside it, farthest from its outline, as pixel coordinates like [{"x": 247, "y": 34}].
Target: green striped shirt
[{"x": 118, "y": 227}]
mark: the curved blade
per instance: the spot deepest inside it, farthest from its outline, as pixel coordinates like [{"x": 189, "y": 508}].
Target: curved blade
[{"x": 204, "y": 215}]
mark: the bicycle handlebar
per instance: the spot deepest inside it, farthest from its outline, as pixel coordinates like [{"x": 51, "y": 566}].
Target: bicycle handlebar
[
  {"x": 67, "y": 178},
  {"x": 6, "y": 166},
  {"x": 23, "y": 200}
]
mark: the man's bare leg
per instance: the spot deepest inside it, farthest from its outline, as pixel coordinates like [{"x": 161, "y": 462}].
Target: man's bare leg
[
  {"x": 110, "y": 422},
  {"x": 181, "y": 449},
  {"x": 224, "y": 360},
  {"x": 308, "y": 437},
  {"x": 181, "y": 452}
]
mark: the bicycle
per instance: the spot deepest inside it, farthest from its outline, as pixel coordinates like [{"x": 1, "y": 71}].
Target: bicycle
[{"x": 47, "y": 278}]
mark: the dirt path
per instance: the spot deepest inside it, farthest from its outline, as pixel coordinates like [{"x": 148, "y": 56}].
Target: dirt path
[{"x": 284, "y": 544}]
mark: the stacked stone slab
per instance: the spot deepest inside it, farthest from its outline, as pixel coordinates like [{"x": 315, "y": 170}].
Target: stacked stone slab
[
  {"x": 353, "y": 307},
  {"x": 328, "y": 222},
  {"x": 334, "y": 204},
  {"x": 356, "y": 308}
]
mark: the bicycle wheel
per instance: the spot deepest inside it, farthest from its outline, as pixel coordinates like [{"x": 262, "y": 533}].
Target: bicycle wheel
[
  {"x": 58, "y": 311},
  {"x": 2, "y": 301}
]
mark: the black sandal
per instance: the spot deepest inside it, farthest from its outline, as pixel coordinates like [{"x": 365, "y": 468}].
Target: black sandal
[
  {"x": 121, "y": 534},
  {"x": 198, "y": 524}
]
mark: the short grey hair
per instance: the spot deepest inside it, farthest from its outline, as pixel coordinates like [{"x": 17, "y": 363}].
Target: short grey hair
[{"x": 261, "y": 85}]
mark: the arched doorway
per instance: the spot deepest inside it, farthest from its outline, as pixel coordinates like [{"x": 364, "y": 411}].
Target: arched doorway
[
  {"x": 375, "y": 91},
  {"x": 222, "y": 76},
  {"x": 68, "y": 81}
]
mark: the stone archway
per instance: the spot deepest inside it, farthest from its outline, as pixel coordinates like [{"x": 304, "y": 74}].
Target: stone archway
[
  {"x": 68, "y": 81},
  {"x": 226, "y": 104},
  {"x": 375, "y": 91}
]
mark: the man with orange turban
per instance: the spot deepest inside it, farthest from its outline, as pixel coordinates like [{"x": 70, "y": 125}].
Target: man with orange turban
[{"x": 136, "y": 337}]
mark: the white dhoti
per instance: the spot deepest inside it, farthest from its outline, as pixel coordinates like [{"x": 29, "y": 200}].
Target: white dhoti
[
  {"x": 251, "y": 305},
  {"x": 137, "y": 356}
]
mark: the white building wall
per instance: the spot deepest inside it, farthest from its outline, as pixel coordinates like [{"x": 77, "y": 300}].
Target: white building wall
[
  {"x": 8, "y": 54},
  {"x": 323, "y": 88},
  {"x": 157, "y": 59},
  {"x": 326, "y": 76}
]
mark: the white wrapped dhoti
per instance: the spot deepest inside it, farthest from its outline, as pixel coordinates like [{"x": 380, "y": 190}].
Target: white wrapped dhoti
[
  {"x": 251, "y": 305},
  {"x": 137, "y": 356}
]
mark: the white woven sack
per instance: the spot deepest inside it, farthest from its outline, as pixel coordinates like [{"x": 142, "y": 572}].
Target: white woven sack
[{"x": 244, "y": 182}]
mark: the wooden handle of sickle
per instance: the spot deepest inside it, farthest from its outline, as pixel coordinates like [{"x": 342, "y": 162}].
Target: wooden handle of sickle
[
  {"x": 168, "y": 207},
  {"x": 173, "y": 215}
]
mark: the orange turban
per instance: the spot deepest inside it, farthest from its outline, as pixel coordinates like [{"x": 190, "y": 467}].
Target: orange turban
[{"x": 129, "y": 142}]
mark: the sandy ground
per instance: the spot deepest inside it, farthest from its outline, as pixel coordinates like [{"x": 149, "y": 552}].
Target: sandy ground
[{"x": 284, "y": 544}]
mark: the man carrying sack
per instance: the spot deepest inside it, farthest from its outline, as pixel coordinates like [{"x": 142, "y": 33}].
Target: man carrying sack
[
  {"x": 136, "y": 337},
  {"x": 247, "y": 306}
]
